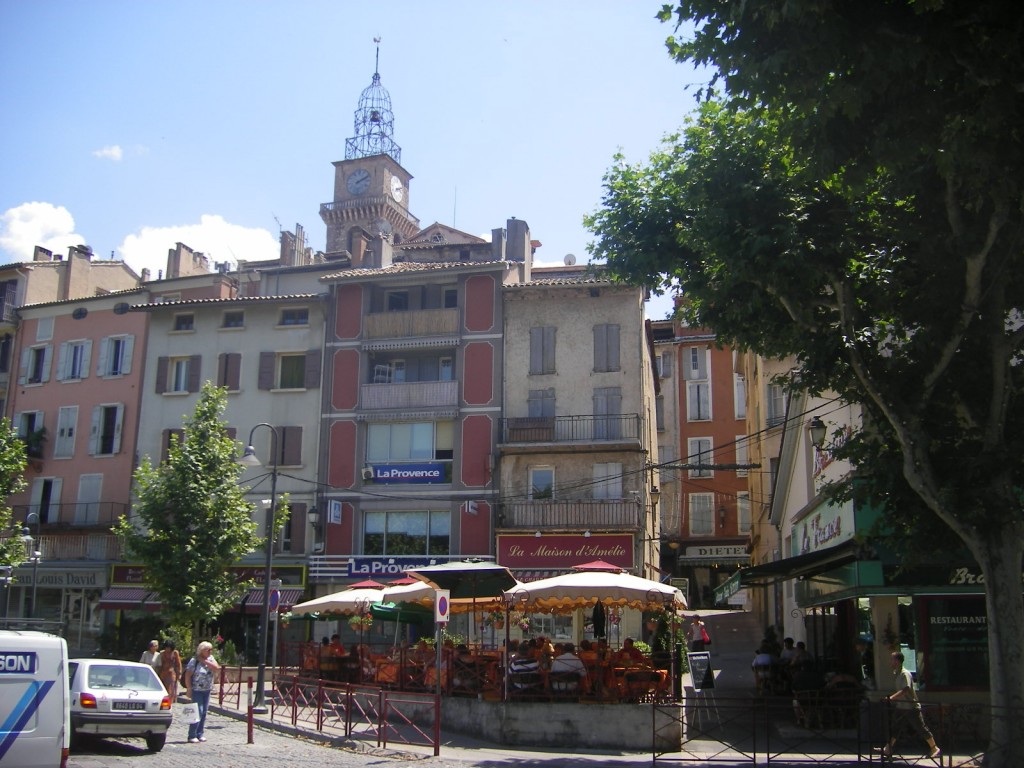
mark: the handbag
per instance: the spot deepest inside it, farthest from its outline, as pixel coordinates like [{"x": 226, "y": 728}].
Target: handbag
[
  {"x": 191, "y": 713},
  {"x": 704, "y": 636}
]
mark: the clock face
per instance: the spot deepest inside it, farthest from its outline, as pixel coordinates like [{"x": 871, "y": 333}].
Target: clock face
[
  {"x": 396, "y": 189},
  {"x": 358, "y": 181}
]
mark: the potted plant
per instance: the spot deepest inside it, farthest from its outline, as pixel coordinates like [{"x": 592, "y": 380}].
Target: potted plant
[
  {"x": 495, "y": 618},
  {"x": 359, "y": 622},
  {"x": 521, "y": 620}
]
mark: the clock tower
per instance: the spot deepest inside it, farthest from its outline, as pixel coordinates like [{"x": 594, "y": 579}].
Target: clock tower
[{"x": 371, "y": 188}]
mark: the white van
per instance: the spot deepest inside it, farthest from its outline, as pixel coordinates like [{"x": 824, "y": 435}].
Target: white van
[{"x": 35, "y": 724}]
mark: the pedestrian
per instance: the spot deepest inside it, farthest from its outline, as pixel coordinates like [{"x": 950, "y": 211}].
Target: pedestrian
[
  {"x": 907, "y": 708},
  {"x": 151, "y": 655},
  {"x": 698, "y": 634},
  {"x": 199, "y": 678},
  {"x": 170, "y": 668}
]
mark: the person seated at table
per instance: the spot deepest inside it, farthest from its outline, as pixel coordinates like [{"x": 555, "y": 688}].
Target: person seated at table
[
  {"x": 587, "y": 652},
  {"x": 524, "y": 668},
  {"x": 629, "y": 655},
  {"x": 465, "y": 675},
  {"x": 566, "y": 665},
  {"x": 335, "y": 648}
]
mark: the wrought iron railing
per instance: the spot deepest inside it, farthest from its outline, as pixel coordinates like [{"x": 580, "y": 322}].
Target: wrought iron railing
[
  {"x": 548, "y": 513},
  {"x": 560, "y": 429}
]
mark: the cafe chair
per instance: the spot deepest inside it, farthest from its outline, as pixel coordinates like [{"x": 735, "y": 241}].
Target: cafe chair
[{"x": 643, "y": 685}]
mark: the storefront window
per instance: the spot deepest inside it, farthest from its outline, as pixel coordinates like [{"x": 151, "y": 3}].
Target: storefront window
[{"x": 406, "y": 533}]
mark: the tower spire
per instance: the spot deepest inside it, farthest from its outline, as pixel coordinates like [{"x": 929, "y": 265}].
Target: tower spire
[{"x": 374, "y": 121}]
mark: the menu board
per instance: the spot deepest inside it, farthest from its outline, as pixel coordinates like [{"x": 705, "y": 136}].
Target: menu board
[{"x": 701, "y": 673}]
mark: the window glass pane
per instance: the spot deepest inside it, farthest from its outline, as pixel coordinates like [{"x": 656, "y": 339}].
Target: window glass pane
[
  {"x": 700, "y": 513},
  {"x": 440, "y": 528},
  {"x": 377, "y": 441},
  {"x": 422, "y": 441},
  {"x": 542, "y": 482},
  {"x": 293, "y": 372},
  {"x": 401, "y": 442}
]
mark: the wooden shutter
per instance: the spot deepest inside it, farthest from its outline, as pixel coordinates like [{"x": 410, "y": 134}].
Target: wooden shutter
[
  {"x": 268, "y": 361},
  {"x": 290, "y": 450},
  {"x": 229, "y": 370},
  {"x": 165, "y": 442},
  {"x": 299, "y": 524},
  {"x": 312, "y": 376},
  {"x": 62, "y": 361},
  {"x": 161, "y": 374},
  {"x": 195, "y": 367},
  {"x": 118, "y": 423}
]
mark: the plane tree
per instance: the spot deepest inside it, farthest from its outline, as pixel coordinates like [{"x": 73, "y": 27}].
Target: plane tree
[{"x": 849, "y": 192}]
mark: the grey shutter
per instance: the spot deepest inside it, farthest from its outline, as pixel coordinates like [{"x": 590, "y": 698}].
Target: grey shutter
[
  {"x": 549, "y": 349},
  {"x": 126, "y": 355},
  {"x": 266, "y": 372},
  {"x": 47, "y": 360},
  {"x": 536, "y": 350},
  {"x": 118, "y": 423},
  {"x": 23, "y": 371},
  {"x": 94, "y": 430},
  {"x": 600, "y": 347},
  {"x": 86, "y": 357},
  {"x": 101, "y": 361},
  {"x": 161, "y": 375},
  {"x": 612, "y": 331},
  {"x": 62, "y": 361},
  {"x": 312, "y": 377},
  {"x": 195, "y": 367}
]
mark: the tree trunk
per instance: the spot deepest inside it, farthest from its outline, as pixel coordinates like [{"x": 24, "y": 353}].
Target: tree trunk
[{"x": 1000, "y": 557}]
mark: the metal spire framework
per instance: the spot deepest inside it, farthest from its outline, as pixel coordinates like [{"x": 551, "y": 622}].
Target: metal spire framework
[{"x": 374, "y": 121}]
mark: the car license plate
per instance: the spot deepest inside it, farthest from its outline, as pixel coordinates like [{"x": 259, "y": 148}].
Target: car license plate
[{"x": 129, "y": 705}]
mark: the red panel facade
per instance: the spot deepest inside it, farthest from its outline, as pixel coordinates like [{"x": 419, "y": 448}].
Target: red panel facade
[
  {"x": 478, "y": 378},
  {"x": 349, "y": 321},
  {"x": 480, "y": 303},
  {"x": 562, "y": 551},
  {"x": 345, "y": 394},
  {"x": 341, "y": 471},
  {"x": 476, "y": 450},
  {"x": 338, "y": 537}
]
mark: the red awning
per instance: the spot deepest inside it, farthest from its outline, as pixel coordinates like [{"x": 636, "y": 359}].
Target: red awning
[
  {"x": 129, "y": 599},
  {"x": 254, "y": 599}
]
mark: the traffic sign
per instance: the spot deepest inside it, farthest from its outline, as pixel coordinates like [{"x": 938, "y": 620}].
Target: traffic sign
[{"x": 442, "y": 605}]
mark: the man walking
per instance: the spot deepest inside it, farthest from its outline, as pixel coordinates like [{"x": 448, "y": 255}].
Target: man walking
[{"x": 907, "y": 708}]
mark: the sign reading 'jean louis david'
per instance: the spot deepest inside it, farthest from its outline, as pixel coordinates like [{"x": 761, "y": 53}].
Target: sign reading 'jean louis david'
[
  {"x": 562, "y": 551},
  {"x": 431, "y": 472}
]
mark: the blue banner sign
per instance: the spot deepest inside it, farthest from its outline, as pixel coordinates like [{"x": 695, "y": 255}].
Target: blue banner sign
[
  {"x": 376, "y": 567},
  {"x": 432, "y": 472}
]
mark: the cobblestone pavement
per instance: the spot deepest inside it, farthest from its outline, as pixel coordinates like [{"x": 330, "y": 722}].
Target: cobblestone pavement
[{"x": 227, "y": 747}]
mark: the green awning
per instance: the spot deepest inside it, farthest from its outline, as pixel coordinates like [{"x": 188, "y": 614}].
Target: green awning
[
  {"x": 404, "y": 613},
  {"x": 798, "y": 567}
]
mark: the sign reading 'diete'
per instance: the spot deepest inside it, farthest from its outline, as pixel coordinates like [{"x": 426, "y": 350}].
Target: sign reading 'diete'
[
  {"x": 701, "y": 673},
  {"x": 442, "y": 605}
]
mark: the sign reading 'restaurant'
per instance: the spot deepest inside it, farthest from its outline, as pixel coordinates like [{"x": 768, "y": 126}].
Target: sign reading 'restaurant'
[{"x": 562, "y": 551}]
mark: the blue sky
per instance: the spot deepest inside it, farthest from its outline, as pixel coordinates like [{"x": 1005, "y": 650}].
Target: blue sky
[{"x": 130, "y": 125}]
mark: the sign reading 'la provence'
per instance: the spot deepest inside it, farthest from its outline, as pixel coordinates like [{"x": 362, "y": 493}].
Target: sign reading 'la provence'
[{"x": 432, "y": 472}]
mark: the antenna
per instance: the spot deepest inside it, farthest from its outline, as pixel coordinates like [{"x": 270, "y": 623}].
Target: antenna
[
  {"x": 376, "y": 61},
  {"x": 279, "y": 227},
  {"x": 455, "y": 206}
]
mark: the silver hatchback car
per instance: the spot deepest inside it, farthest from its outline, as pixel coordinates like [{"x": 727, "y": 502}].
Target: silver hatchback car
[{"x": 118, "y": 698}]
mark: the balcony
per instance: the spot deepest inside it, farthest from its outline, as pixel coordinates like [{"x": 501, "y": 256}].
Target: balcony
[
  {"x": 414, "y": 324},
  {"x": 409, "y": 395},
  {"x": 620, "y": 514},
  {"x": 72, "y": 515},
  {"x": 81, "y": 546},
  {"x": 623, "y": 427}
]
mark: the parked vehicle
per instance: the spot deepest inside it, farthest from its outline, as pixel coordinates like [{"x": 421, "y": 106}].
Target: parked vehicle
[
  {"x": 33, "y": 700},
  {"x": 119, "y": 698}
]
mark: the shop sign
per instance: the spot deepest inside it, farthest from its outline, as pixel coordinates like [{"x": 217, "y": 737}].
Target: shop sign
[
  {"x": 374, "y": 567},
  {"x": 825, "y": 527},
  {"x": 432, "y": 472},
  {"x": 957, "y": 641},
  {"x": 562, "y": 551},
  {"x": 721, "y": 552},
  {"x": 69, "y": 579}
]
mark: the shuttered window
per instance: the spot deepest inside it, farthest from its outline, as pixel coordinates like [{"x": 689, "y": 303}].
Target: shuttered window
[{"x": 542, "y": 349}]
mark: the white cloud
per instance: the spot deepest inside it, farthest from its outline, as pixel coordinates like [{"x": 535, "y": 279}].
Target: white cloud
[
  {"x": 213, "y": 236},
  {"x": 30, "y": 224},
  {"x": 112, "y": 152}
]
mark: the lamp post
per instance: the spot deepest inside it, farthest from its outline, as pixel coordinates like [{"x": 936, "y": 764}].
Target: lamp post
[
  {"x": 249, "y": 459},
  {"x": 33, "y": 555}
]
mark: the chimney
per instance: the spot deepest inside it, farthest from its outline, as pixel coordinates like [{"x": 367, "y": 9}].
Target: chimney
[
  {"x": 498, "y": 244},
  {"x": 42, "y": 254},
  {"x": 145, "y": 274},
  {"x": 76, "y": 277}
]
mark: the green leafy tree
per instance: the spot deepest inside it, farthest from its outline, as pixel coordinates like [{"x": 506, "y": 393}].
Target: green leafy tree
[
  {"x": 12, "y": 469},
  {"x": 850, "y": 193},
  {"x": 192, "y": 521}
]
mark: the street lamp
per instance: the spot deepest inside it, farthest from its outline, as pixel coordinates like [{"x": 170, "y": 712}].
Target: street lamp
[
  {"x": 33, "y": 555},
  {"x": 249, "y": 459}
]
